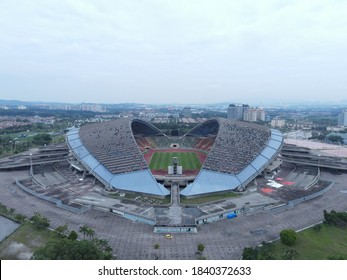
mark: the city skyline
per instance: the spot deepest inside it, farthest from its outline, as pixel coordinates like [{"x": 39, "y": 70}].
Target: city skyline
[{"x": 156, "y": 52}]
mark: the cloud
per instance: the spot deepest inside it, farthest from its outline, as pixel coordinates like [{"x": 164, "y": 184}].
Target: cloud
[{"x": 172, "y": 46}]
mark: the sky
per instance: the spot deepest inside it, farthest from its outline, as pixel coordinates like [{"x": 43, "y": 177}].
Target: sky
[{"x": 178, "y": 51}]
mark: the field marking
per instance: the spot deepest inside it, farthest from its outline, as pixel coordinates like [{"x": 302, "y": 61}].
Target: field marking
[
  {"x": 161, "y": 160},
  {"x": 220, "y": 207},
  {"x": 146, "y": 210}
]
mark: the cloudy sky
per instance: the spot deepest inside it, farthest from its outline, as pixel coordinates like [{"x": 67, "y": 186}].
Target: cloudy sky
[{"x": 161, "y": 51}]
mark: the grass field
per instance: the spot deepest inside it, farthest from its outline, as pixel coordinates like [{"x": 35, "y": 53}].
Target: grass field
[
  {"x": 330, "y": 242},
  {"x": 23, "y": 242},
  {"x": 161, "y": 160},
  {"x": 207, "y": 199}
]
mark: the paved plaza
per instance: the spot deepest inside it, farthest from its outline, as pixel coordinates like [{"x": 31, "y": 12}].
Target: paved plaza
[
  {"x": 224, "y": 239},
  {"x": 323, "y": 148}
]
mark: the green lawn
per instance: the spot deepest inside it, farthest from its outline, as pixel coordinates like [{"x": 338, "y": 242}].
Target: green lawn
[
  {"x": 330, "y": 241},
  {"x": 207, "y": 199},
  {"x": 188, "y": 160},
  {"x": 24, "y": 241}
]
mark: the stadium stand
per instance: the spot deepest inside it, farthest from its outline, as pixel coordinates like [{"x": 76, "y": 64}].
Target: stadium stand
[
  {"x": 236, "y": 146},
  {"x": 204, "y": 144},
  {"x": 114, "y": 152},
  {"x": 108, "y": 150},
  {"x": 113, "y": 145},
  {"x": 143, "y": 143},
  {"x": 241, "y": 151}
]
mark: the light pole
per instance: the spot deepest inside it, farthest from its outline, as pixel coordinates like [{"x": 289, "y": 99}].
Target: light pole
[{"x": 31, "y": 164}]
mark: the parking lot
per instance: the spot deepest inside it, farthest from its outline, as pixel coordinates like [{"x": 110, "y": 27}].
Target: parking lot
[{"x": 224, "y": 239}]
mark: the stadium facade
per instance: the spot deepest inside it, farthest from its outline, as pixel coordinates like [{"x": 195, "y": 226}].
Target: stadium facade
[{"x": 113, "y": 152}]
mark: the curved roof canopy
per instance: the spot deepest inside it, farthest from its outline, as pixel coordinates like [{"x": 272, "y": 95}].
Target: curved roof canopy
[
  {"x": 143, "y": 129},
  {"x": 239, "y": 153},
  {"x": 109, "y": 151}
]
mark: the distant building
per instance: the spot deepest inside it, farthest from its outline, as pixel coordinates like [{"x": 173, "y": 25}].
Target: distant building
[
  {"x": 336, "y": 128},
  {"x": 43, "y": 106},
  {"x": 187, "y": 112},
  {"x": 278, "y": 122},
  {"x": 74, "y": 107},
  {"x": 254, "y": 114},
  {"x": 93, "y": 108},
  {"x": 21, "y": 107},
  {"x": 250, "y": 115},
  {"x": 261, "y": 115},
  {"x": 342, "y": 118},
  {"x": 235, "y": 112}
]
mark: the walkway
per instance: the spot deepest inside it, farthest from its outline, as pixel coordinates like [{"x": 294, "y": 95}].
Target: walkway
[{"x": 175, "y": 210}]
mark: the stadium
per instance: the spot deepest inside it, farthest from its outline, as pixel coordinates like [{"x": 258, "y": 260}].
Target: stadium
[
  {"x": 217, "y": 156},
  {"x": 127, "y": 179}
]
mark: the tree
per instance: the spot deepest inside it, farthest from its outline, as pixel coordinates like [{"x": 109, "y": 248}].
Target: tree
[
  {"x": 156, "y": 246},
  {"x": 288, "y": 237},
  {"x": 335, "y": 218},
  {"x": 329, "y": 218},
  {"x": 73, "y": 235},
  {"x": 62, "y": 230},
  {"x": 39, "y": 221},
  {"x": 261, "y": 252},
  {"x": 90, "y": 232},
  {"x": 87, "y": 231},
  {"x": 103, "y": 247},
  {"x": 335, "y": 139},
  {"x": 250, "y": 253},
  {"x": 20, "y": 218},
  {"x": 67, "y": 249},
  {"x": 11, "y": 212},
  {"x": 3, "y": 209},
  {"x": 265, "y": 251},
  {"x": 84, "y": 230},
  {"x": 42, "y": 139}
]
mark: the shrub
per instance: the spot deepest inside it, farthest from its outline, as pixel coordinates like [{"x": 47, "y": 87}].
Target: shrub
[
  {"x": 39, "y": 221},
  {"x": 289, "y": 254},
  {"x": 73, "y": 235},
  {"x": 335, "y": 218},
  {"x": 288, "y": 237},
  {"x": 249, "y": 253},
  {"x": 201, "y": 247},
  {"x": 317, "y": 228}
]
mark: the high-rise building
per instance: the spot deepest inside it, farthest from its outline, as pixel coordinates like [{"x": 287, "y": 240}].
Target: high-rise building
[
  {"x": 250, "y": 115},
  {"x": 235, "y": 112},
  {"x": 254, "y": 114},
  {"x": 342, "y": 120},
  {"x": 261, "y": 115},
  {"x": 278, "y": 122}
]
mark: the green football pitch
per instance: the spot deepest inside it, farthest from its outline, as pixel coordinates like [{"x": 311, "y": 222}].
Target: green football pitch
[{"x": 188, "y": 160}]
